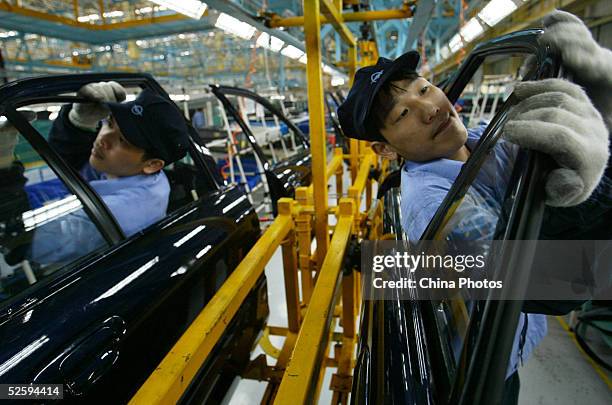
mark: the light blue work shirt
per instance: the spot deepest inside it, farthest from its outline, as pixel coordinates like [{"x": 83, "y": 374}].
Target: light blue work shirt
[
  {"x": 135, "y": 201},
  {"x": 424, "y": 186}
]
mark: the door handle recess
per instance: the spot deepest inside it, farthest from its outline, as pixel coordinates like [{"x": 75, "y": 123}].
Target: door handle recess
[{"x": 93, "y": 356}]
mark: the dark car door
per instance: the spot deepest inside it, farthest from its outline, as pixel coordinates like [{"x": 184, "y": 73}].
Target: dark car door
[
  {"x": 457, "y": 350},
  {"x": 284, "y": 175},
  {"x": 100, "y": 320}
]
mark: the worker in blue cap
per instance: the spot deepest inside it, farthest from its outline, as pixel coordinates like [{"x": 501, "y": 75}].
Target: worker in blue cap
[
  {"x": 120, "y": 148},
  {"x": 405, "y": 116}
]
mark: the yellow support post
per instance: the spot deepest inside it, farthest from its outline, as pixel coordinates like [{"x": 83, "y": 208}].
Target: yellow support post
[
  {"x": 312, "y": 32},
  {"x": 352, "y": 63},
  {"x": 354, "y": 157},
  {"x": 301, "y": 379},
  {"x": 339, "y": 175},
  {"x": 292, "y": 290},
  {"x": 303, "y": 229},
  {"x": 75, "y": 9},
  {"x": 174, "y": 374},
  {"x": 101, "y": 7}
]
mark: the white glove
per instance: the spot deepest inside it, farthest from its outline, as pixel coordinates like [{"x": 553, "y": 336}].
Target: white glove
[
  {"x": 8, "y": 140},
  {"x": 9, "y": 137},
  {"x": 590, "y": 63},
  {"x": 87, "y": 115},
  {"x": 556, "y": 117}
]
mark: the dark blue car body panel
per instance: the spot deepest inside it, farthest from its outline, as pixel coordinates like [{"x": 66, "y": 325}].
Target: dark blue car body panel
[{"x": 103, "y": 325}]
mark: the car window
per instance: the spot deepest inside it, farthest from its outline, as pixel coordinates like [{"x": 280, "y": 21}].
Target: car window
[
  {"x": 477, "y": 215},
  {"x": 43, "y": 226},
  {"x": 489, "y": 88},
  {"x": 186, "y": 180}
]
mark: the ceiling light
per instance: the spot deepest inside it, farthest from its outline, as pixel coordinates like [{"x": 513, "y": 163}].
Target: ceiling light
[
  {"x": 270, "y": 42},
  {"x": 88, "y": 18},
  {"x": 444, "y": 52},
  {"x": 303, "y": 59},
  {"x": 276, "y": 44},
  {"x": 471, "y": 30},
  {"x": 234, "y": 26},
  {"x": 292, "y": 52},
  {"x": 263, "y": 40},
  {"x": 191, "y": 8},
  {"x": 455, "y": 43},
  {"x": 337, "y": 81},
  {"x": 496, "y": 10},
  {"x": 113, "y": 14},
  {"x": 327, "y": 69},
  {"x": 8, "y": 34}
]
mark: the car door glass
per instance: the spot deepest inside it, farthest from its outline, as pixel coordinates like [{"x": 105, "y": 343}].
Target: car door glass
[
  {"x": 490, "y": 87},
  {"x": 43, "y": 226},
  {"x": 186, "y": 180},
  {"x": 476, "y": 216}
]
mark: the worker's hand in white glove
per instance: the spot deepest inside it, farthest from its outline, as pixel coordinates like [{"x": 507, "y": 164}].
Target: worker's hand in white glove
[
  {"x": 556, "y": 117},
  {"x": 87, "y": 115},
  {"x": 580, "y": 53},
  {"x": 589, "y": 63}
]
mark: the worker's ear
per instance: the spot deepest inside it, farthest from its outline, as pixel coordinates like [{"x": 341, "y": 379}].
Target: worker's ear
[
  {"x": 153, "y": 166},
  {"x": 385, "y": 150}
]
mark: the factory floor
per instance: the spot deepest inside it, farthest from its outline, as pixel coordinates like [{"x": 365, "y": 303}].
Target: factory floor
[{"x": 559, "y": 373}]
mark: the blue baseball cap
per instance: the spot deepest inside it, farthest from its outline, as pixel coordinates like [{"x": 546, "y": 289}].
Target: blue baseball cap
[
  {"x": 353, "y": 113},
  {"x": 153, "y": 123}
]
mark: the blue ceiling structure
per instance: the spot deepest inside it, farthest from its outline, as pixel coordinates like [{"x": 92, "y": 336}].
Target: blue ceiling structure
[{"x": 210, "y": 55}]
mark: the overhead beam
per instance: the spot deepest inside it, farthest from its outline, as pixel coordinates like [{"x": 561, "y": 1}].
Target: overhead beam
[
  {"x": 420, "y": 21},
  {"x": 377, "y": 15},
  {"x": 334, "y": 15},
  {"x": 28, "y": 12}
]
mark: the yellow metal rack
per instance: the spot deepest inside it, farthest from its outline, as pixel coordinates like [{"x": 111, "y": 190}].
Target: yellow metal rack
[{"x": 300, "y": 364}]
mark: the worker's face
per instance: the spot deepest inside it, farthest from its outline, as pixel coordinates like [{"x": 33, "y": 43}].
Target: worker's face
[
  {"x": 113, "y": 155},
  {"x": 422, "y": 125}
]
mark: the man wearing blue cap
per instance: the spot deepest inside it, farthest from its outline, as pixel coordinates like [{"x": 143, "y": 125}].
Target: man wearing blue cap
[
  {"x": 404, "y": 115},
  {"x": 120, "y": 148}
]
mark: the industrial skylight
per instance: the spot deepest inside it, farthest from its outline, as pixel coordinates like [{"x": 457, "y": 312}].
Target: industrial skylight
[
  {"x": 292, "y": 52},
  {"x": 444, "y": 52},
  {"x": 270, "y": 42},
  {"x": 337, "y": 81},
  {"x": 95, "y": 17},
  {"x": 234, "y": 26},
  {"x": 496, "y": 10},
  {"x": 191, "y": 8},
  {"x": 471, "y": 30},
  {"x": 455, "y": 43}
]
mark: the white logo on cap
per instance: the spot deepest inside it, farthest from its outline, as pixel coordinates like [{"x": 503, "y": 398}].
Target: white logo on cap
[
  {"x": 137, "y": 109},
  {"x": 375, "y": 76}
]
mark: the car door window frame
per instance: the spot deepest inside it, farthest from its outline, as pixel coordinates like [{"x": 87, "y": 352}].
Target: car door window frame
[
  {"x": 221, "y": 92},
  {"x": 58, "y": 86},
  {"x": 496, "y": 330},
  {"x": 92, "y": 204}
]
